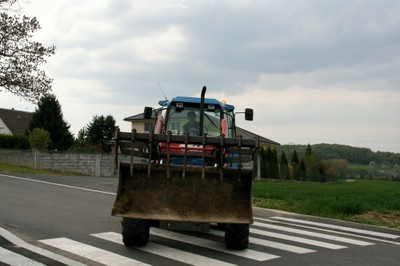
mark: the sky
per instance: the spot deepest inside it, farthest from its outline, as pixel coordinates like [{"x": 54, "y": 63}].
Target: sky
[{"x": 314, "y": 71}]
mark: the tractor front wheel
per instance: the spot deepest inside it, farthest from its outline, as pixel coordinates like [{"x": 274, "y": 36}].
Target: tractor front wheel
[
  {"x": 135, "y": 232},
  {"x": 237, "y": 236}
]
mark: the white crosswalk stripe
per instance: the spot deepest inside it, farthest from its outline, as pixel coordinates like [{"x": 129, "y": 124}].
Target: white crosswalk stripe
[
  {"x": 247, "y": 253},
  {"x": 270, "y": 244},
  {"x": 332, "y": 231},
  {"x": 313, "y": 234},
  {"x": 296, "y": 239},
  {"x": 37, "y": 250},
  {"x": 15, "y": 259},
  {"x": 90, "y": 252},
  {"x": 165, "y": 251},
  {"x": 337, "y": 227}
]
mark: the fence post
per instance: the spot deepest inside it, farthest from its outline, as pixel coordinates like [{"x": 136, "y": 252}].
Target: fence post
[
  {"x": 35, "y": 158},
  {"x": 97, "y": 166}
]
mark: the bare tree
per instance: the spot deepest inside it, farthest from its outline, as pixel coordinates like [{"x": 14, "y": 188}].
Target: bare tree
[{"x": 20, "y": 56}]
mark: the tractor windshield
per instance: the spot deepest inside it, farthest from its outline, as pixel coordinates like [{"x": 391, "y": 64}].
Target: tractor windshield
[{"x": 187, "y": 120}]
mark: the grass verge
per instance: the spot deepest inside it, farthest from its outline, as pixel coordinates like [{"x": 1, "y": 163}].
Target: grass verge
[
  {"x": 367, "y": 201},
  {"x": 6, "y": 168}
]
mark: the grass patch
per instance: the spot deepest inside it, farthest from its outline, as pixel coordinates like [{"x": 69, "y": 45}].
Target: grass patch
[
  {"x": 367, "y": 201},
  {"x": 7, "y": 168}
]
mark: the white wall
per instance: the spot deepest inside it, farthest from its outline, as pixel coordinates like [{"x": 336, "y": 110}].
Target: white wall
[{"x": 4, "y": 129}]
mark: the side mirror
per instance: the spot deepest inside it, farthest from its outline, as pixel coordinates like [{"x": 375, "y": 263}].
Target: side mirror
[
  {"x": 148, "y": 112},
  {"x": 248, "y": 114}
]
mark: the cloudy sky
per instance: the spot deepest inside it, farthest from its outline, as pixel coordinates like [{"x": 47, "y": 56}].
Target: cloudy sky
[{"x": 314, "y": 71}]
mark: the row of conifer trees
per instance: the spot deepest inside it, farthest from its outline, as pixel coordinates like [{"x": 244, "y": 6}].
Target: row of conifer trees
[{"x": 306, "y": 168}]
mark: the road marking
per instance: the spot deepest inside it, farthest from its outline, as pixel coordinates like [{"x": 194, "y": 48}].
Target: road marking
[
  {"x": 90, "y": 252},
  {"x": 20, "y": 243},
  {"x": 270, "y": 244},
  {"x": 246, "y": 253},
  {"x": 164, "y": 251},
  {"x": 338, "y": 227},
  {"x": 330, "y": 231},
  {"x": 58, "y": 185},
  {"x": 14, "y": 259},
  {"x": 296, "y": 239},
  {"x": 313, "y": 234}
]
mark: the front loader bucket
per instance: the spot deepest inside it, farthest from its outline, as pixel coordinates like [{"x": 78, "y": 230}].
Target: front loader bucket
[{"x": 192, "y": 198}]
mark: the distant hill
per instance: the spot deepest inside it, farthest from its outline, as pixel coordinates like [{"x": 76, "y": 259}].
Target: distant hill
[{"x": 354, "y": 155}]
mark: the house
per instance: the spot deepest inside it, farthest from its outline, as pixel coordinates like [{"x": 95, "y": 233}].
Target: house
[
  {"x": 145, "y": 125},
  {"x": 13, "y": 122},
  {"x": 141, "y": 124}
]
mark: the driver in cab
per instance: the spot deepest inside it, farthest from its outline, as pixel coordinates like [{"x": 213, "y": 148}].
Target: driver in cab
[{"x": 192, "y": 126}]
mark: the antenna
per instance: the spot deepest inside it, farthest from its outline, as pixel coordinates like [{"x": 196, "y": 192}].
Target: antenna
[{"x": 158, "y": 83}]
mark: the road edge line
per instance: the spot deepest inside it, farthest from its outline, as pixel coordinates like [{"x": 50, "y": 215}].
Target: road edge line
[{"x": 58, "y": 185}]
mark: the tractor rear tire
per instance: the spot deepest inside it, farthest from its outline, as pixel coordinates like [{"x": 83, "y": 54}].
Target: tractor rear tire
[
  {"x": 237, "y": 236},
  {"x": 135, "y": 232}
]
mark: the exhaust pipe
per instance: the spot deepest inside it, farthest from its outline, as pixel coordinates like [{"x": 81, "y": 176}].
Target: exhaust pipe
[{"x": 203, "y": 92}]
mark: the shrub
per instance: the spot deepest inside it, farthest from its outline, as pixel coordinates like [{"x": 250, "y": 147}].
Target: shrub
[
  {"x": 14, "y": 142},
  {"x": 39, "y": 139}
]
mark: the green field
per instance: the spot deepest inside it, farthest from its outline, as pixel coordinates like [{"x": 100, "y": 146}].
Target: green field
[{"x": 366, "y": 201}]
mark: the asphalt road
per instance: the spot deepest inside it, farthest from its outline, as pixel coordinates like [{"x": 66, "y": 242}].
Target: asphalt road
[{"x": 70, "y": 217}]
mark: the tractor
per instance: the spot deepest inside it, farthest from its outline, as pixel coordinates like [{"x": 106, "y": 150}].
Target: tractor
[{"x": 189, "y": 173}]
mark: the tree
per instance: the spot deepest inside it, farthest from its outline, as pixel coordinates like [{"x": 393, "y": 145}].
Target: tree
[
  {"x": 311, "y": 164},
  {"x": 39, "y": 139},
  {"x": 284, "y": 166},
  {"x": 269, "y": 162},
  {"x": 80, "y": 141},
  {"x": 309, "y": 151},
  {"x": 49, "y": 117},
  {"x": 274, "y": 163},
  {"x": 20, "y": 56},
  {"x": 294, "y": 160},
  {"x": 302, "y": 170},
  {"x": 335, "y": 168},
  {"x": 101, "y": 131},
  {"x": 294, "y": 164},
  {"x": 263, "y": 162}
]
